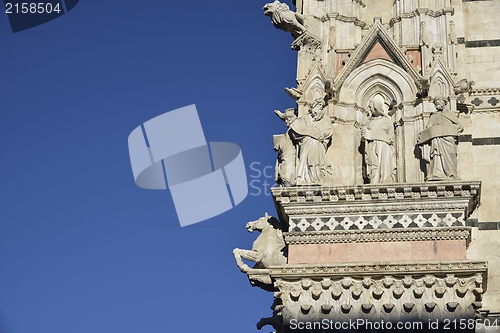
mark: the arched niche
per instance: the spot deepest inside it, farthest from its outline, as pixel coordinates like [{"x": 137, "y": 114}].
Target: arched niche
[{"x": 381, "y": 76}]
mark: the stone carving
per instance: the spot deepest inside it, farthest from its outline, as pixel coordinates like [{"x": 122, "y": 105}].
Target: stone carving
[
  {"x": 302, "y": 150},
  {"x": 307, "y": 42},
  {"x": 312, "y": 134},
  {"x": 463, "y": 86},
  {"x": 439, "y": 143},
  {"x": 395, "y": 292},
  {"x": 380, "y": 158},
  {"x": 294, "y": 93},
  {"x": 267, "y": 250},
  {"x": 287, "y": 154},
  {"x": 285, "y": 19}
]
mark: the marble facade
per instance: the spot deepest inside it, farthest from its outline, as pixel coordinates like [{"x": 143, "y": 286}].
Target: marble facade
[{"x": 414, "y": 247}]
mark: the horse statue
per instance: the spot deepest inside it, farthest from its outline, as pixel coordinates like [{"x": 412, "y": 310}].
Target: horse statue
[{"x": 267, "y": 250}]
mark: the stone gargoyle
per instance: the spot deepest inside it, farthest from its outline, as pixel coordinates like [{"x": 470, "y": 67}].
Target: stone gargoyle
[
  {"x": 269, "y": 249},
  {"x": 285, "y": 19}
]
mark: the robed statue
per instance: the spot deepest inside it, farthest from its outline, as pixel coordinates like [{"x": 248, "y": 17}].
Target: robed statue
[
  {"x": 378, "y": 134},
  {"x": 439, "y": 142},
  {"x": 310, "y": 136},
  {"x": 285, "y": 174},
  {"x": 312, "y": 133}
]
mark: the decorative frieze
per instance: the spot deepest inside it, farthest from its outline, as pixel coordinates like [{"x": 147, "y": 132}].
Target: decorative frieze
[
  {"x": 394, "y": 235},
  {"x": 391, "y": 221}
]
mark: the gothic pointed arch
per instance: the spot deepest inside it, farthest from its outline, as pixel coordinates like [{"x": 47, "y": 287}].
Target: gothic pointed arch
[
  {"x": 314, "y": 86},
  {"x": 381, "y": 76},
  {"x": 376, "y": 45}
]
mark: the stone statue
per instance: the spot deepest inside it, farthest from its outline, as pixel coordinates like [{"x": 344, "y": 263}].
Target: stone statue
[
  {"x": 267, "y": 250},
  {"x": 287, "y": 154},
  {"x": 285, "y": 19},
  {"x": 378, "y": 134},
  {"x": 312, "y": 134},
  {"x": 439, "y": 142}
]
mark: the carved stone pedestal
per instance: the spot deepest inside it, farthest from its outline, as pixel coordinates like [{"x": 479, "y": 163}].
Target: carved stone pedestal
[{"x": 376, "y": 253}]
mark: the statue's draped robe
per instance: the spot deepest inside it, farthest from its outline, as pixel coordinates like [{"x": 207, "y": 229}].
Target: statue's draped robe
[
  {"x": 380, "y": 156},
  {"x": 313, "y": 138},
  {"x": 440, "y": 151},
  {"x": 285, "y": 164}
]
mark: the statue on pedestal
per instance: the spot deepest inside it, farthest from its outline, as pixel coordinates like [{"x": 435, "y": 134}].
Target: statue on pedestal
[
  {"x": 380, "y": 157},
  {"x": 285, "y": 174},
  {"x": 439, "y": 142}
]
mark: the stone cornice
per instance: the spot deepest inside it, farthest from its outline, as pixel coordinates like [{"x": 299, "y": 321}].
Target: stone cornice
[
  {"x": 363, "y": 193},
  {"x": 373, "y": 269},
  {"x": 383, "y": 207},
  {"x": 381, "y": 235},
  {"x": 294, "y": 204}
]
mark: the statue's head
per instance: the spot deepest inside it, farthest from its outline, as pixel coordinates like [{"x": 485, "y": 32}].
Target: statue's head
[
  {"x": 377, "y": 106},
  {"x": 440, "y": 102},
  {"x": 276, "y": 6},
  {"x": 316, "y": 108}
]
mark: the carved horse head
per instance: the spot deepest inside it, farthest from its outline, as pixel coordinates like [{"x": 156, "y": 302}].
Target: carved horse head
[{"x": 259, "y": 224}]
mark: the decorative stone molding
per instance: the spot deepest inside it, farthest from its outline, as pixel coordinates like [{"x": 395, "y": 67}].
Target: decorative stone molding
[
  {"x": 410, "y": 119},
  {"x": 421, "y": 11},
  {"x": 442, "y": 189},
  {"x": 343, "y": 18},
  {"x": 379, "y": 209},
  {"x": 379, "y": 291},
  {"x": 306, "y": 42},
  {"x": 375, "y": 269},
  {"x": 391, "y": 222},
  {"x": 486, "y": 91},
  {"x": 444, "y": 204},
  {"x": 393, "y": 235}
]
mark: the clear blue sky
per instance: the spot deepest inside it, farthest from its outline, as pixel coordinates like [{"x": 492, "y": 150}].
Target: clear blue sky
[{"x": 82, "y": 248}]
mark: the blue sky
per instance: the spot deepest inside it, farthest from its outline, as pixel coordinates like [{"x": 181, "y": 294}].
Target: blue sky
[{"x": 82, "y": 248}]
